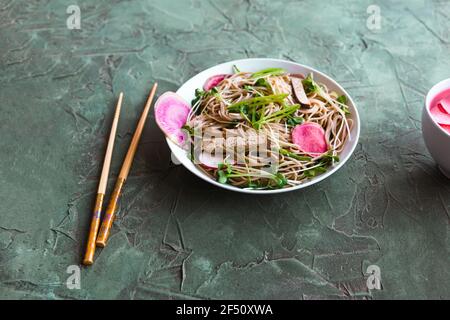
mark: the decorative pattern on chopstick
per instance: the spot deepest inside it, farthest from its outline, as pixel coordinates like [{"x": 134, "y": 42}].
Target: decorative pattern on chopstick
[
  {"x": 95, "y": 223},
  {"x": 110, "y": 213},
  {"x": 105, "y": 228}
]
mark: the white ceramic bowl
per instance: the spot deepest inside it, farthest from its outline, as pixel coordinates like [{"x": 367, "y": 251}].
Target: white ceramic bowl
[
  {"x": 436, "y": 138},
  {"x": 187, "y": 91}
]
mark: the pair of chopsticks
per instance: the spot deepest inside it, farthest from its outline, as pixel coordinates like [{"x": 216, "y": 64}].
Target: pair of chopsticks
[{"x": 105, "y": 228}]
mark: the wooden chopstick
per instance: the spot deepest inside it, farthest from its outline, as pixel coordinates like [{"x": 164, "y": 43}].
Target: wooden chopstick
[
  {"x": 112, "y": 206},
  {"x": 95, "y": 222}
]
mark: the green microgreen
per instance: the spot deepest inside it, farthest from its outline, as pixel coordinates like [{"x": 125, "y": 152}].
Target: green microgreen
[
  {"x": 225, "y": 172},
  {"x": 343, "y": 103},
  {"x": 310, "y": 85},
  {"x": 200, "y": 94}
]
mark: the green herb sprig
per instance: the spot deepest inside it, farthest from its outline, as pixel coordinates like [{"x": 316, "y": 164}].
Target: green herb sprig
[
  {"x": 293, "y": 155},
  {"x": 252, "y": 110},
  {"x": 268, "y": 72}
]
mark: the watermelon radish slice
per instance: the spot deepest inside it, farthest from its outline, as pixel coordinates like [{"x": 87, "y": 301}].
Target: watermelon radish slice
[
  {"x": 439, "y": 115},
  {"x": 445, "y": 104},
  {"x": 171, "y": 113},
  {"x": 310, "y": 138},
  {"x": 213, "y": 81},
  {"x": 212, "y": 161}
]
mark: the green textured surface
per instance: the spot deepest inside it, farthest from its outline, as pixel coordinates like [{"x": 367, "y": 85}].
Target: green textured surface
[{"x": 176, "y": 236}]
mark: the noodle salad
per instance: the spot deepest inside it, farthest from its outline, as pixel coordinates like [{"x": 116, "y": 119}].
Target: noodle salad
[{"x": 264, "y": 130}]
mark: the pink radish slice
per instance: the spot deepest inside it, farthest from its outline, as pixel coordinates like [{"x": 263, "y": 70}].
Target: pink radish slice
[
  {"x": 212, "y": 160},
  {"x": 445, "y": 104},
  {"x": 213, "y": 81},
  {"x": 310, "y": 138},
  {"x": 439, "y": 115},
  {"x": 171, "y": 113}
]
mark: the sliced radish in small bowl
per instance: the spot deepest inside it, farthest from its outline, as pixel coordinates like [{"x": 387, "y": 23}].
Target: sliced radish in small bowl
[
  {"x": 310, "y": 138},
  {"x": 439, "y": 115},
  {"x": 213, "y": 81},
  {"x": 445, "y": 104},
  {"x": 171, "y": 113},
  {"x": 446, "y": 127}
]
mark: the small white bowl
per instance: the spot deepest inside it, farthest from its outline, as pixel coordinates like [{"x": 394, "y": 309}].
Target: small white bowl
[
  {"x": 436, "y": 138},
  {"x": 187, "y": 92}
]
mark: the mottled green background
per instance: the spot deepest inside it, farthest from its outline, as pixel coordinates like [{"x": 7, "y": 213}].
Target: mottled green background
[{"x": 177, "y": 236}]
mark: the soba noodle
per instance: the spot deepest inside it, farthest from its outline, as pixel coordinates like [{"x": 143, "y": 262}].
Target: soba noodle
[{"x": 245, "y": 106}]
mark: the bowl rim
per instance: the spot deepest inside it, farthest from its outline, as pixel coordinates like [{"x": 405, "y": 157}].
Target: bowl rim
[
  {"x": 429, "y": 98},
  {"x": 355, "y": 137}
]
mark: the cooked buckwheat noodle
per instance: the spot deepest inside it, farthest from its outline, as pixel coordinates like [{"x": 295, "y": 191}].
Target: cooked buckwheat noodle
[{"x": 212, "y": 113}]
